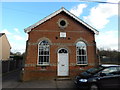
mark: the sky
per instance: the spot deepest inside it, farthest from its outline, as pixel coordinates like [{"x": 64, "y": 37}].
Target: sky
[{"x": 16, "y": 16}]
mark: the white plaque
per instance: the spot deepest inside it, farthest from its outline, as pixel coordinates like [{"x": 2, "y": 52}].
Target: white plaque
[{"x": 63, "y": 34}]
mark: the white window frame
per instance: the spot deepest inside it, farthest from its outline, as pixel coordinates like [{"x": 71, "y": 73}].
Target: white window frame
[
  {"x": 38, "y": 62},
  {"x": 81, "y": 55}
]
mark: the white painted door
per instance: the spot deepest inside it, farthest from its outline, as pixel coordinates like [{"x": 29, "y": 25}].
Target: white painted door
[{"x": 63, "y": 67}]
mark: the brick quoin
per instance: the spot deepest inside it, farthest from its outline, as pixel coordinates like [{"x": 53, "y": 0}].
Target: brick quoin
[{"x": 50, "y": 30}]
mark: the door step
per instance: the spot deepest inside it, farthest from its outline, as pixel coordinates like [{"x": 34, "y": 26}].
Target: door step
[{"x": 61, "y": 79}]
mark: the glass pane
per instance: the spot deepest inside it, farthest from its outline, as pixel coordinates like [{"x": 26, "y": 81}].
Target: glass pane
[
  {"x": 80, "y": 44},
  {"x": 40, "y": 48},
  {"x": 62, "y": 51},
  {"x": 78, "y": 59},
  {"x": 47, "y": 58},
  {"x": 77, "y": 51},
  {"x": 45, "y": 52},
  {"x": 80, "y": 52},
  {"x": 85, "y": 60},
  {"x": 40, "y": 52},
  {"x": 44, "y": 43},
  {"x": 47, "y": 49},
  {"x": 82, "y": 58},
  {"x": 44, "y": 58},
  {"x": 83, "y": 52},
  {"x": 40, "y": 59}
]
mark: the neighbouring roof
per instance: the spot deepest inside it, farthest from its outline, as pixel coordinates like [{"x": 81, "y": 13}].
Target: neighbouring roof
[
  {"x": 1, "y": 34},
  {"x": 57, "y": 12}
]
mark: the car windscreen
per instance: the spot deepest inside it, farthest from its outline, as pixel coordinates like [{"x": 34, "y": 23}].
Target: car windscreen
[{"x": 94, "y": 70}]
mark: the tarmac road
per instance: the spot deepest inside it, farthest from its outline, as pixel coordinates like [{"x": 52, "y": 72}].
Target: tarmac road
[{"x": 11, "y": 80}]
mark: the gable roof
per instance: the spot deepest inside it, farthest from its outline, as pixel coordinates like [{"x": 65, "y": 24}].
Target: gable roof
[{"x": 54, "y": 14}]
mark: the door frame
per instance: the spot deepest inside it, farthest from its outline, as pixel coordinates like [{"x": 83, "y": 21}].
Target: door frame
[{"x": 58, "y": 61}]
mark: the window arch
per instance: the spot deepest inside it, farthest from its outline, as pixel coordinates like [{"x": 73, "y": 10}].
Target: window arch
[
  {"x": 81, "y": 52},
  {"x": 44, "y": 53}
]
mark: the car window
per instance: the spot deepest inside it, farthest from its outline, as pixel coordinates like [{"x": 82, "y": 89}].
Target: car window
[
  {"x": 118, "y": 68},
  {"x": 110, "y": 71}
]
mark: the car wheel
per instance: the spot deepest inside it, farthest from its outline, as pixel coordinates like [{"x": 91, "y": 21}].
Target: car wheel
[{"x": 93, "y": 87}]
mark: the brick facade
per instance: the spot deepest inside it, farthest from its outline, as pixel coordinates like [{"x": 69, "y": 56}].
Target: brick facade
[{"x": 50, "y": 31}]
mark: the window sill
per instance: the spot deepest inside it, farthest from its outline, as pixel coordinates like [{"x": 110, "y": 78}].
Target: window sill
[
  {"x": 38, "y": 65},
  {"x": 81, "y": 64}
]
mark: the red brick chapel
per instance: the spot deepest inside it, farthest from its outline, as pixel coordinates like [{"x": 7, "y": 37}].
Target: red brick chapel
[{"x": 60, "y": 45}]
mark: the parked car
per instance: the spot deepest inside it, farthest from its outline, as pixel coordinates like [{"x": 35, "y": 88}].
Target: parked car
[{"x": 99, "y": 78}]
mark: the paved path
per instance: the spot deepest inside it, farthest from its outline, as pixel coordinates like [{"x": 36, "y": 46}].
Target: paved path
[{"x": 12, "y": 81}]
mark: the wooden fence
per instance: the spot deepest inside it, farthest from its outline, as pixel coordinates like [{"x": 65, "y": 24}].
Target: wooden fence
[
  {"x": 110, "y": 61},
  {"x": 11, "y": 65}
]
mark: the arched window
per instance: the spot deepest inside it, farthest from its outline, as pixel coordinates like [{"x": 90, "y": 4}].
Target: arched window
[
  {"x": 44, "y": 53},
  {"x": 81, "y": 52}
]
